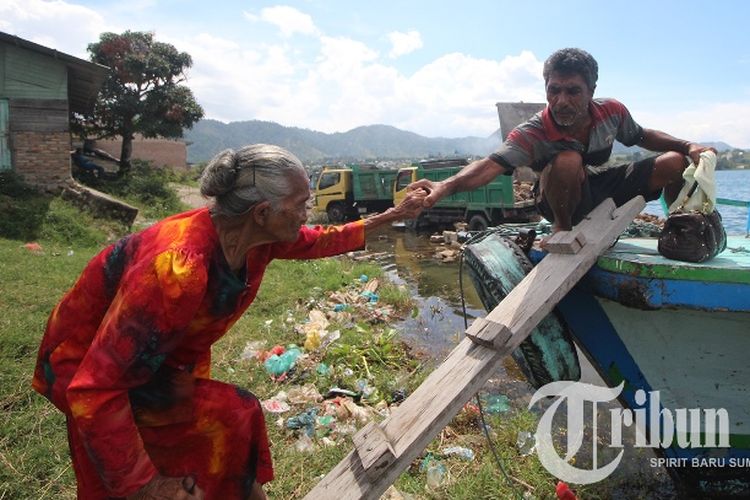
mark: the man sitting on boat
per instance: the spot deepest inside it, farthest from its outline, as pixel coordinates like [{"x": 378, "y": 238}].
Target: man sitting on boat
[{"x": 568, "y": 141}]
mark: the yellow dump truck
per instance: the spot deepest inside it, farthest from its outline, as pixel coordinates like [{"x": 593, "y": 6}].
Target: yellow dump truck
[{"x": 345, "y": 193}]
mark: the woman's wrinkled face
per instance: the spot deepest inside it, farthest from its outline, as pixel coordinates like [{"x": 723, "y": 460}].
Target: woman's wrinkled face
[{"x": 287, "y": 219}]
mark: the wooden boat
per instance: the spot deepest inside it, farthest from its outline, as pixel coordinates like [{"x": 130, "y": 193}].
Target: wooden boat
[{"x": 679, "y": 328}]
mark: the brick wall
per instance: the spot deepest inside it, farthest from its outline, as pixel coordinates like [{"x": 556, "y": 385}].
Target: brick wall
[
  {"x": 160, "y": 152},
  {"x": 42, "y": 159}
]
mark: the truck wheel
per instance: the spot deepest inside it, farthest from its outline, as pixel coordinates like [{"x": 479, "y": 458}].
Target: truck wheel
[
  {"x": 336, "y": 212},
  {"x": 478, "y": 222}
]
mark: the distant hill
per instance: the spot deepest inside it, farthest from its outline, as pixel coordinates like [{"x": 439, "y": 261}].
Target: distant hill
[
  {"x": 208, "y": 137},
  {"x": 721, "y": 147}
]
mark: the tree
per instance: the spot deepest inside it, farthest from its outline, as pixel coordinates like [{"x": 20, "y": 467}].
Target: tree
[{"x": 142, "y": 92}]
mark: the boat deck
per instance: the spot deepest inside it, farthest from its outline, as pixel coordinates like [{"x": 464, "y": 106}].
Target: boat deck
[{"x": 639, "y": 257}]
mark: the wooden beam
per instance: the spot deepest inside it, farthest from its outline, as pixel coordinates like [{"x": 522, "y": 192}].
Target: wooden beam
[{"x": 466, "y": 369}]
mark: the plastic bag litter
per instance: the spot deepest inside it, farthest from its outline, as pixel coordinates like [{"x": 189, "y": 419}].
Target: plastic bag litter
[
  {"x": 459, "y": 451},
  {"x": 345, "y": 429},
  {"x": 365, "y": 388},
  {"x": 312, "y": 341},
  {"x": 525, "y": 443},
  {"x": 338, "y": 391},
  {"x": 563, "y": 492},
  {"x": 348, "y": 409},
  {"x": 304, "y": 394},
  {"x": 304, "y": 421},
  {"x": 435, "y": 471},
  {"x": 372, "y": 285},
  {"x": 496, "y": 403},
  {"x": 325, "y": 425},
  {"x": 33, "y": 247},
  {"x": 304, "y": 444},
  {"x": 252, "y": 349},
  {"x": 275, "y": 406},
  {"x": 382, "y": 409},
  {"x": 277, "y": 365},
  {"x": 393, "y": 494}
]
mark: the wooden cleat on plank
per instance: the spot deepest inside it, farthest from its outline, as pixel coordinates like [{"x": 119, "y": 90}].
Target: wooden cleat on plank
[
  {"x": 568, "y": 242},
  {"x": 374, "y": 449},
  {"x": 489, "y": 334}
]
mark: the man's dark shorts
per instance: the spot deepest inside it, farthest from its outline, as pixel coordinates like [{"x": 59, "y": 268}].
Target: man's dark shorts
[{"x": 621, "y": 183}]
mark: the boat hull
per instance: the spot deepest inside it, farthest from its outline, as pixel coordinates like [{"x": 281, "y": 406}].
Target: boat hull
[{"x": 682, "y": 330}]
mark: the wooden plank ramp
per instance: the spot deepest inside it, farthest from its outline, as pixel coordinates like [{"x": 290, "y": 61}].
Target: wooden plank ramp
[{"x": 388, "y": 448}]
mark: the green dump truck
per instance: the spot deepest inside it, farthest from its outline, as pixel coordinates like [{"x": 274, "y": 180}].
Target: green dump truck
[
  {"x": 347, "y": 192},
  {"x": 488, "y": 205}
]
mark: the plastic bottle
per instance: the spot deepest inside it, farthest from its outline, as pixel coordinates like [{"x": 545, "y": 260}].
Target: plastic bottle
[{"x": 435, "y": 474}]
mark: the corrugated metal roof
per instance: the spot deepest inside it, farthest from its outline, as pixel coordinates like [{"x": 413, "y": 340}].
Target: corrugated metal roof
[{"x": 84, "y": 78}]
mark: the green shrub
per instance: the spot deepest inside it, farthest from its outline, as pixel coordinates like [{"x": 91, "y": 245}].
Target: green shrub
[{"x": 144, "y": 186}]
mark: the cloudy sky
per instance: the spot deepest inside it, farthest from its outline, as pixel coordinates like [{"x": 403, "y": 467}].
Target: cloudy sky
[{"x": 434, "y": 68}]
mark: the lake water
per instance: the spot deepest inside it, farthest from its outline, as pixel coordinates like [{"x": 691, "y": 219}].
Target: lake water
[{"x": 732, "y": 184}]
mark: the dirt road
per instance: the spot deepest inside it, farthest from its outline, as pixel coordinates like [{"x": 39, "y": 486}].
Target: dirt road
[{"x": 189, "y": 195}]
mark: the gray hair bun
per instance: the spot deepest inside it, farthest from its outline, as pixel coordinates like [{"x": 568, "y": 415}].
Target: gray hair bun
[
  {"x": 240, "y": 179},
  {"x": 220, "y": 174}
]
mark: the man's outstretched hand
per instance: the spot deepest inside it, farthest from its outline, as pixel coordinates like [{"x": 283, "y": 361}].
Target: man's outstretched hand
[
  {"x": 434, "y": 191},
  {"x": 169, "y": 488},
  {"x": 695, "y": 150}
]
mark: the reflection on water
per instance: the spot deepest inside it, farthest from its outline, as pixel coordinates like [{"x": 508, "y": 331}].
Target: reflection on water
[{"x": 439, "y": 325}]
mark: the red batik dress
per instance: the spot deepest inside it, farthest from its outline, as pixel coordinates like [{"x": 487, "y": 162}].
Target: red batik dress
[{"x": 126, "y": 357}]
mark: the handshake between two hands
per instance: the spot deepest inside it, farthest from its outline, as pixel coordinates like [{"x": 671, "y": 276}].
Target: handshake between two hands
[{"x": 420, "y": 195}]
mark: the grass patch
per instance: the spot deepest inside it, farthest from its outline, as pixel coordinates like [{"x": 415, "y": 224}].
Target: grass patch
[
  {"x": 28, "y": 215},
  {"x": 33, "y": 443}
]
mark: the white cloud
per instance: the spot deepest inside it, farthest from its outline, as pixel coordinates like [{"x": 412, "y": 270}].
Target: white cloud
[
  {"x": 288, "y": 19},
  {"x": 347, "y": 85},
  {"x": 726, "y": 121},
  {"x": 456, "y": 93},
  {"x": 64, "y": 26},
  {"x": 404, "y": 43}
]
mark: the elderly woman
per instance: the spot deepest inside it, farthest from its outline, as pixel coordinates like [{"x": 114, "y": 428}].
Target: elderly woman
[{"x": 126, "y": 353}]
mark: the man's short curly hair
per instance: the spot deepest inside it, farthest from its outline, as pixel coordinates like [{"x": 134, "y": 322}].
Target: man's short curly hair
[{"x": 572, "y": 61}]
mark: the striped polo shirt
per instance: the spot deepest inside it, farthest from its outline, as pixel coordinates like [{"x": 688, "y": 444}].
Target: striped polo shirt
[{"x": 536, "y": 142}]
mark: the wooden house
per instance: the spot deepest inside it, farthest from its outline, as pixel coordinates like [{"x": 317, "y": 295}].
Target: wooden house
[{"x": 39, "y": 88}]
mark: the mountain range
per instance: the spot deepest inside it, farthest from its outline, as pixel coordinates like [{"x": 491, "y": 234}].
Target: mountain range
[{"x": 208, "y": 137}]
